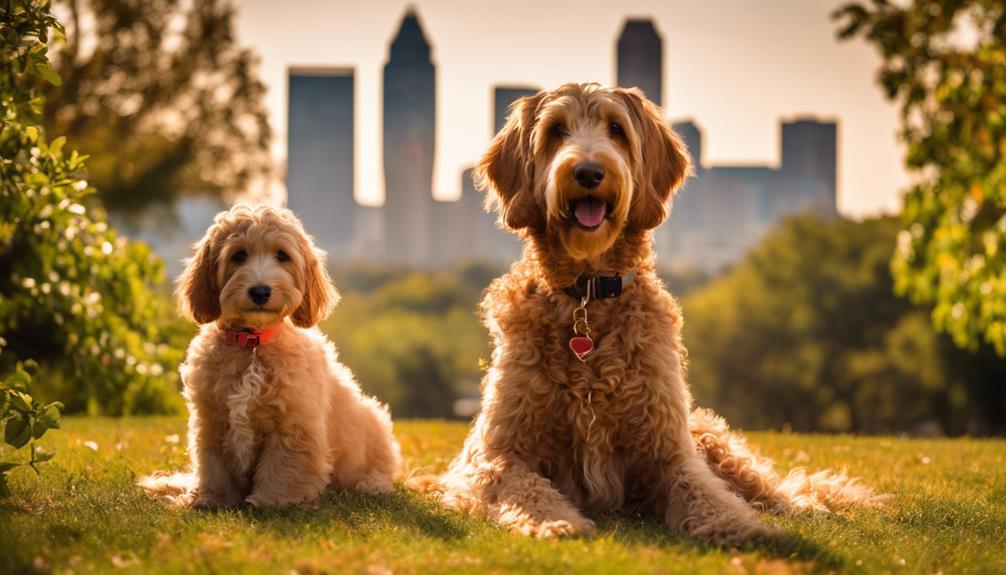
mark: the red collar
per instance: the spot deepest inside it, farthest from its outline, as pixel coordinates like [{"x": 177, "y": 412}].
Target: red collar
[{"x": 249, "y": 337}]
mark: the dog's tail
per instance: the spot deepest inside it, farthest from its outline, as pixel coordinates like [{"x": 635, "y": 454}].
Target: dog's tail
[
  {"x": 754, "y": 477},
  {"x": 175, "y": 489}
]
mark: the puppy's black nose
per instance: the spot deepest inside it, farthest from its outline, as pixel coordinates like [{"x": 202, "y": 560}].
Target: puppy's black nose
[
  {"x": 588, "y": 174},
  {"x": 259, "y": 294}
]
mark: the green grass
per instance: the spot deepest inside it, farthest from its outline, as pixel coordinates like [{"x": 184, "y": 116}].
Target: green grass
[{"x": 84, "y": 514}]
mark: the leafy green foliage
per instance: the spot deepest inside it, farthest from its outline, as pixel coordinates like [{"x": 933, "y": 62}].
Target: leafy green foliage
[
  {"x": 24, "y": 420},
  {"x": 74, "y": 295},
  {"x": 945, "y": 65},
  {"x": 164, "y": 101},
  {"x": 412, "y": 338},
  {"x": 806, "y": 332}
]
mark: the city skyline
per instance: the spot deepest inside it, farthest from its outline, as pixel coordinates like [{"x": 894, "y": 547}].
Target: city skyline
[
  {"x": 735, "y": 86},
  {"x": 722, "y": 211}
]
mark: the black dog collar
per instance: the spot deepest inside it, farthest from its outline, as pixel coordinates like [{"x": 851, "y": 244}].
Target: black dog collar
[{"x": 599, "y": 287}]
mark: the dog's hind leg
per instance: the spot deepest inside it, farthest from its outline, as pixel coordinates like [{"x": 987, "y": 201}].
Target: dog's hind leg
[{"x": 754, "y": 477}]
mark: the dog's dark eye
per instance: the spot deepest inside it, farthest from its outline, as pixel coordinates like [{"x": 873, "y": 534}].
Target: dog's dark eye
[
  {"x": 282, "y": 257},
  {"x": 556, "y": 131},
  {"x": 239, "y": 257},
  {"x": 616, "y": 129}
]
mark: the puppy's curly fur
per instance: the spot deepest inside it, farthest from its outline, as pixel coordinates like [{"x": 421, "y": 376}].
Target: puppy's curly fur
[
  {"x": 556, "y": 435},
  {"x": 280, "y": 423}
]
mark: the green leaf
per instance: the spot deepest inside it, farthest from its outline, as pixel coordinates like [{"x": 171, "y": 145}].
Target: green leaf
[
  {"x": 4, "y": 490},
  {"x": 41, "y": 455},
  {"x": 20, "y": 402},
  {"x": 51, "y": 414},
  {"x": 6, "y": 466},
  {"x": 30, "y": 366},
  {"x": 18, "y": 432},
  {"x": 48, "y": 73},
  {"x": 18, "y": 380},
  {"x": 56, "y": 146},
  {"x": 38, "y": 429}
]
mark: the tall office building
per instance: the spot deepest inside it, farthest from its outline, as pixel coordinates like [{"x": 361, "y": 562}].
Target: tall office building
[
  {"x": 483, "y": 239},
  {"x": 503, "y": 96},
  {"x": 641, "y": 58},
  {"x": 809, "y": 150},
  {"x": 724, "y": 210},
  {"x": 691, "y": 134},
  {"x": 669, "y": 237},
  {"x": 319, "y": 176},
  {"x": 409, "y": 144}
]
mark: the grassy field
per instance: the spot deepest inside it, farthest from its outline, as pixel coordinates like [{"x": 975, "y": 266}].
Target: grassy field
[{"x": 84, "y": 514}]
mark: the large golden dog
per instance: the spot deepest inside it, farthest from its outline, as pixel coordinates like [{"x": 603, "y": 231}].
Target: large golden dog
[
  {"x": 585, "y": 406},
  {"x": 274, "y": 418}
]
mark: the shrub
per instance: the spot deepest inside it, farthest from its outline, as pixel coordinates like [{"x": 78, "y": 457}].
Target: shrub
[{"x": 74, "y": 295}]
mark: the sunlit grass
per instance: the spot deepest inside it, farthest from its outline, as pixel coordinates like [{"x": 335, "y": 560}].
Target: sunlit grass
[{"x": 84, "y": 514}]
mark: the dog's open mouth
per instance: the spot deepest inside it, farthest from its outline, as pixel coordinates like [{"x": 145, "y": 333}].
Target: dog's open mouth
[{"x": 589, "y": 212}]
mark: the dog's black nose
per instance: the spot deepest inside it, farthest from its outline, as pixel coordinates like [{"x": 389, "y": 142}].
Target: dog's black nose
[
  {"x": 259, "y": 294},
  {"x": 588, "y": 174}
]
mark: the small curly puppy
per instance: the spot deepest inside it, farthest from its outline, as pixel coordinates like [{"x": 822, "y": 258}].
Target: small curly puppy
[
  {"x": 585, "y": 405},
  {"x": 274, "y": 418}
]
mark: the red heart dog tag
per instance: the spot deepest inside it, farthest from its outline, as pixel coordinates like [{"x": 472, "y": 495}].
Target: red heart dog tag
[{"x": 581, "y": 346}]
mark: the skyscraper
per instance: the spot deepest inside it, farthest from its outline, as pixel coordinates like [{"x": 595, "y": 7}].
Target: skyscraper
[
  {"x": 641, "y": 58},
  {"x": 319, "y": 176},
  {"x": 503, "y": 96},
  {"x": 483, "y": 240},
  {"x": 809, "y": 150},
  {"x": 409, "y": 143},
  {"x": 691, "y": 134}
]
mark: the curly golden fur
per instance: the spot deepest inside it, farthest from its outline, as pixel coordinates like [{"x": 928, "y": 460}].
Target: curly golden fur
[
  {"x": 556, "y": 435},
  {"x": 280, "y": 423}
]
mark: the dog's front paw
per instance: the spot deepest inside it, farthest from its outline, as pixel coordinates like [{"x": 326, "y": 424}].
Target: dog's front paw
[
  {"x": 208, "y": 500},
  {"x": 264, "y": 500},
  {"x": 739, "y": 533},
  {"x": 579, "y": 527}
]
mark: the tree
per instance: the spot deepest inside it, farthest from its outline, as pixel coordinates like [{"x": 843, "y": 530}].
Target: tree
[
  {"x": 944, "y": 63},
  {"x": 74, "y": 295},
  {"x": 162, "y": 99},
  {"x": 807, "y": 331}
]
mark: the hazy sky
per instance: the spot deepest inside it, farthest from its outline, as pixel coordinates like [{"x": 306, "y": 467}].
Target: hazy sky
[{"x": 736, "y": 66}]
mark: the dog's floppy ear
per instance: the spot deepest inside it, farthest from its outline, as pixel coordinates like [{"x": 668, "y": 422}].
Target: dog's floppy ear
[
  {"x": 506, "y": 170},
  {"x": 319, "y": 293},
  {"x": 665, "y": 162},
  {"x": 198, "y": 292}
]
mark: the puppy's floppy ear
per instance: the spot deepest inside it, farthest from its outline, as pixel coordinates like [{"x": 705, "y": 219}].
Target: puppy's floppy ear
[
  {"x": 319, "y": 293},
  {"x": 506, "y": 170},
  {"x": 198, "y": 292},
  {"x": 665, "y": 161}
]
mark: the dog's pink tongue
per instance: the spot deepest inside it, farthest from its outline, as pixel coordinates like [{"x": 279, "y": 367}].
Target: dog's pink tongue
[{"x": 590, "y": 212}]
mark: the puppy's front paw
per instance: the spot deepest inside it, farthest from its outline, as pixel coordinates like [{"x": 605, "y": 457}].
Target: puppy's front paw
[
  {"x": 579, "y": 527},
  {"x": 376, "y": 484}
]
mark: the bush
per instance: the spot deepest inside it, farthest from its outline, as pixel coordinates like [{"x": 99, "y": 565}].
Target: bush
[{"x": 74, "y": 295}]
